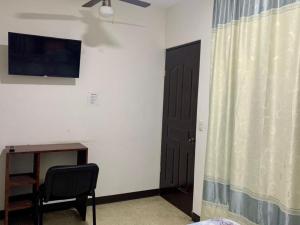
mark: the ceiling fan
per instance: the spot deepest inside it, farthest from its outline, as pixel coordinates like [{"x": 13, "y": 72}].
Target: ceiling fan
[{"x": 106, "y": 9}]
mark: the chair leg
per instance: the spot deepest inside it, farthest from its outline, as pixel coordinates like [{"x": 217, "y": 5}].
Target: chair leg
[
  {"x": 81, "y": 205},
  {"x": 94, "y": 208},
  {"x": 40, "y": 212},
  {"x": 36, "y": 209}
]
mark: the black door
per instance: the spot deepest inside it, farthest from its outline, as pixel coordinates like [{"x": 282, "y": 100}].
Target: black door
[{"x": 179, "y": 125}]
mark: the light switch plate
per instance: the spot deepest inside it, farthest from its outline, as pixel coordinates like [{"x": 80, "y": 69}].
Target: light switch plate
[{"x": 201, "y": 126}]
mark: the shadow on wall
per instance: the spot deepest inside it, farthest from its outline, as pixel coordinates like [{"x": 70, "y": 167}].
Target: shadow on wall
[
  {"x": 9, "y": 79},
  {"x": 95, "y": 35}
]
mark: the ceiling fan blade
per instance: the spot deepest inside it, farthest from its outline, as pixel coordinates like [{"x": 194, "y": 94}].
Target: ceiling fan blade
[
  {"x": 91, "y": 3},
  {"x": 137, "y": 3},
  {"x": 42, "y": 16}
]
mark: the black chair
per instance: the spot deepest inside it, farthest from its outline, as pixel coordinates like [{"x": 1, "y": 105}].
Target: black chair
[{"x": 68, "y": 182}]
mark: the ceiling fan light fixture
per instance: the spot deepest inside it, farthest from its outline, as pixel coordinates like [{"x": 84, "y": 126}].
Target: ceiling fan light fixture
[{"x": 106, "y": 10}]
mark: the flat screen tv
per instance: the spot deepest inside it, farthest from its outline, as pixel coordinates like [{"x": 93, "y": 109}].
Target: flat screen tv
[{"x": 34, "y": 55}]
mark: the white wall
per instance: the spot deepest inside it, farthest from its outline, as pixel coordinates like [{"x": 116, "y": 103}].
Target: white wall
[
  {"x": 189, "y": 21},
  {"x": 123, "y": 63}
]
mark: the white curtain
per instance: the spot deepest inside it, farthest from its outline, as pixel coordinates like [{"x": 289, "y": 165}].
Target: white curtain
[{"x": 253, "y": 158}]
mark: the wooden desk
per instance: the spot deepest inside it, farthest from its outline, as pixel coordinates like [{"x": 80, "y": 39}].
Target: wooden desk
[{"x": 33, "y": 179}]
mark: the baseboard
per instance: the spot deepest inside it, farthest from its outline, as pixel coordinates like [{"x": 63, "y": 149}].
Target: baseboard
[
  {"x": 126, "y": 196},
  {"x": 99, "y": 200},
  {"x": 195, "y": 217},
  {"x": 105, "y": 200}
]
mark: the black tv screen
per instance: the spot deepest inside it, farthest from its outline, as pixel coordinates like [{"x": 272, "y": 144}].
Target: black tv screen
[{"x": 43, "y": 56}]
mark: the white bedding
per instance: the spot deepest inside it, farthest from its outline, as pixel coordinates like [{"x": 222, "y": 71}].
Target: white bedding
[{"x": 216, "y": 222}]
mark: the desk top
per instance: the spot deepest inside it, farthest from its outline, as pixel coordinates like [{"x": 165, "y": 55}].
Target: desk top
[{"x": 22, "y": 149}]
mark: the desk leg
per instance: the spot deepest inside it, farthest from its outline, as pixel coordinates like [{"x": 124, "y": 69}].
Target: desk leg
[
  {"x": 35, "y": 189},
  {"x": 36, "y": 170},
  {"x": 81, "y": 202},
  {"x": 7, "y": 191},
  {"x": 6, "y": 217},
  {"x": 82, "y": 157}
]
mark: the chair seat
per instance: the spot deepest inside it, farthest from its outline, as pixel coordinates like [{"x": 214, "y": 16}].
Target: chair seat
[{"x": 68, "y": 182}]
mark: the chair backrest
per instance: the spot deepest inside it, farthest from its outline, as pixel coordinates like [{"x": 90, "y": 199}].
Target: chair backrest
[{"x": 65, "y": 182}]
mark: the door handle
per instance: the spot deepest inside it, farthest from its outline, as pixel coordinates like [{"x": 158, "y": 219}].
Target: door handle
[{"x": 191, "y": 140}]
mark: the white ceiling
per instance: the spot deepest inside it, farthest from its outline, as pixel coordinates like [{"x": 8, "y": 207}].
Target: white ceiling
[{"x": 163, "y": 3}]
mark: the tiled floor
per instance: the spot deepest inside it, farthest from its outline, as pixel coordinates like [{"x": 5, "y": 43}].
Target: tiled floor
[{"x": 147, "y": 211}]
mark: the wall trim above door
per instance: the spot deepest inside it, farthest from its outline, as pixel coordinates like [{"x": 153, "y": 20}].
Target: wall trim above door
[{"x": 184, "y": 45}]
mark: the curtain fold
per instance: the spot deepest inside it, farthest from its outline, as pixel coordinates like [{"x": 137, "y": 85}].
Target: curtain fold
[{"x": 252, "y": 170}]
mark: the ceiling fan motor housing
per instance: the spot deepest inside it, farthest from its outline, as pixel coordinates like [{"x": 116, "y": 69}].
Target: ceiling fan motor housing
[
  {"x": 140, "y": 3},
  {"x": 106, "y": 10},
  {"x": 106, "y": 3}
]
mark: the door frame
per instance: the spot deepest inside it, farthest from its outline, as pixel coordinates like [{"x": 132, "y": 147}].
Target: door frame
[
  {"x": 185, "y": 45},
  {"x": 194, "y": 216}
]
